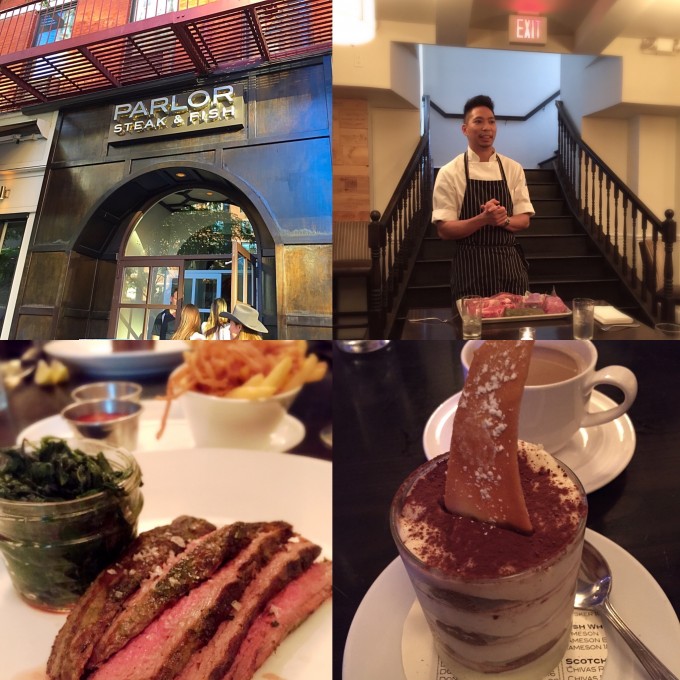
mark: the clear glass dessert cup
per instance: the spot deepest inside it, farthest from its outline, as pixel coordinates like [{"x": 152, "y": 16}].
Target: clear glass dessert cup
[{"x": 513, "y": 626}]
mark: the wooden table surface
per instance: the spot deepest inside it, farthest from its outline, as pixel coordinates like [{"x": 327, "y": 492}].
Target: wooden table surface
[
  {"x": 440, "y": 323},
  {"x": 382, "y": 402}
]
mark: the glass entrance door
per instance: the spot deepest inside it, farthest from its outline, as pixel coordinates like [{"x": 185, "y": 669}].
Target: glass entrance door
[
  {"x": 147, "y": 291},
  {"x": 196, "y": 242}
]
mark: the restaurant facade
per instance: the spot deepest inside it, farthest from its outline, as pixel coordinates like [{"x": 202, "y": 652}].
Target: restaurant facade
[{"x": 214, "y": 184}]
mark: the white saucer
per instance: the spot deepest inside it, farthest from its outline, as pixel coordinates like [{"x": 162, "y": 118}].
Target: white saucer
[
  {"x": 177, "y": 434},
  {"x": 374, "y": 643},
  {"x": 595, "y": 454}
]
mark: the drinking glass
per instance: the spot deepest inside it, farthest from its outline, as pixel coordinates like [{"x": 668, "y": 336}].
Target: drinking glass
[
  {"x": 471, "y": 314},
  {"x": 583, "y": 310}
]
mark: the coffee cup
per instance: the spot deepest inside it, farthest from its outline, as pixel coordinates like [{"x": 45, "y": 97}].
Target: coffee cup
[{"x": 561, "y": 379}]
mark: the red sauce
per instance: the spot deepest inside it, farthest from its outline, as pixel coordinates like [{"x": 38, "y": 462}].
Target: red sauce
[{"x": 99, "y": 417}]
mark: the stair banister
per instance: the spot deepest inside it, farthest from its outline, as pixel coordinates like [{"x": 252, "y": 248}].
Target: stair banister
[
  {"x": 394, "y": 236},
  {"x": 582, "y": 173}
]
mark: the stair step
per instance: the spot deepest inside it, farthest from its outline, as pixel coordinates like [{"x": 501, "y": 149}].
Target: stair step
[
  {"x": 540, "y": 224},
  {"x": 544, "y": 190},
  {"x": 431, "y": 271},
  {"x": 540, "y": 175},
  {"x": 586, "y": 266},
  {"x": 549, "y": 245},
  {"x": 553, "y": 224},
  {"x": 547, "y": 207},
  {"x": 427, "y": 296}
]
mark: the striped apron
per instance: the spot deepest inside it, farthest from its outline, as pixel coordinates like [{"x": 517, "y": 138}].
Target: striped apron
[{"x": 489, "y": 261}]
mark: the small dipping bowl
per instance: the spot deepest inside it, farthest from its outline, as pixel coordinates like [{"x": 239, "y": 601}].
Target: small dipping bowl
[
  {"x": 235, "y": 423},
  {"x": 53, "y": 550},
  {"x": 115, "y": 389},
  {"x": 114, "y": 421}
]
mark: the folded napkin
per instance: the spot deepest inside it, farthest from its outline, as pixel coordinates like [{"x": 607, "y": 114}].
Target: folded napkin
[{"x": 606, "y": 314}]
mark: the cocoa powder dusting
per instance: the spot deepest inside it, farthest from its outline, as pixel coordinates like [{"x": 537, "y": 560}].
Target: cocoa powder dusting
[{"x": 470, "y": 548}]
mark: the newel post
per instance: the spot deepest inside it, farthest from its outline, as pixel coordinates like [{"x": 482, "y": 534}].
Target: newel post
[
  {"x": 669, "y": 236},
  {"x": 376, "y": 308}
]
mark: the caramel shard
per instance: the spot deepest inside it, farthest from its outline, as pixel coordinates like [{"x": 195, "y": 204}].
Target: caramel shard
[{"x": 482, "y": 480}]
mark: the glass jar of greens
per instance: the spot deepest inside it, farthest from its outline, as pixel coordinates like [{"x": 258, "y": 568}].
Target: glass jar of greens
[{"x": 67, "y": 510}]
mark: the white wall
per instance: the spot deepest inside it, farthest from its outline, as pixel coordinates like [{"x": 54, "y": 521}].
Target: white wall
[
  {"x": 516, "y": 81},
  {"x": 393, "y": 139}
]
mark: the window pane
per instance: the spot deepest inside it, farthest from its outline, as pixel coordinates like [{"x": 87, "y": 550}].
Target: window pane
[
  {"x": 135, "y": 285},
  {"x": 131, "y": 324},
  {"x": 55, "y": 24},
  {"x": 153, "y": 8},
  {"x": 207, "y": 280},
  {"x": 11, "y": 234},
  {"x": 164, "y": 282},
  {"x": 188, "y": 223}
]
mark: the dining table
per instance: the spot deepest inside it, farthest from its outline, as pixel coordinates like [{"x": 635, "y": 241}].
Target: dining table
[
  {"x": 443, "y": 323},
  {"x": 28, "y": 402},
  {"x": 383, "y": 402}
]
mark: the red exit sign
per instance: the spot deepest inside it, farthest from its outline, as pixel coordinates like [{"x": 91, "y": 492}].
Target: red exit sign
[{"x": 528, "y": 29}]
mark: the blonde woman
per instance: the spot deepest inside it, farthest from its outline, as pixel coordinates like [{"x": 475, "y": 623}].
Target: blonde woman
[
  {"x": 189, "y": 323},
  {"x": 243, "y": 323},
  {"x": 216, "y": 327}
]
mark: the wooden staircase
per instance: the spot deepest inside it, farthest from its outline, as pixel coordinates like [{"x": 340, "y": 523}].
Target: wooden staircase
[{"x": 561, "y": 255}]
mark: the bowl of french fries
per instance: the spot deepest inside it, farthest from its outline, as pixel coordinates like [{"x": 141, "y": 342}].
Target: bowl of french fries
[{"x": 235, "y": 394}]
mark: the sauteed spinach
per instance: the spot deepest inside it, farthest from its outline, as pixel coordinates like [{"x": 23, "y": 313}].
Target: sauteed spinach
[{"x": 53, "y": 471}]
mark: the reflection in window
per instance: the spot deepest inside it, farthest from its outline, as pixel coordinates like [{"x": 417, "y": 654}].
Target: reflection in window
[
  {"x": 11, "y": 235},
  {"x": 143, "y": 9},
  {"x": 180, "y": 224},
  {"x": 55, "y": 22}
]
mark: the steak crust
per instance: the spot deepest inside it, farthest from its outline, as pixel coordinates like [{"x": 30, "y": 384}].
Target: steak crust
[
  {"x": 164, "y": 648},
  {"x": 213, "y": 660},
  {"x": 197, "y": 563},
  {"x": 284, "y": 613},
  {"x": 105, "y": 597}
]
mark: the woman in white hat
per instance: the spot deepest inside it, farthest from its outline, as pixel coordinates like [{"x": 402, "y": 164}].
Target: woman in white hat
[{"x": 243, "y": 322}]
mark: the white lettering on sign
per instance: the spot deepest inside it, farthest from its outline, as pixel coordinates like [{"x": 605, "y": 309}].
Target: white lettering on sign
[
  {"x": 199, "y": 108},
  {"x": 528, "y": 29}
]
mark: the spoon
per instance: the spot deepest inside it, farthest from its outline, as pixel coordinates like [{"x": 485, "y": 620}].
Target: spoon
[{"x": 592, "y": 592}]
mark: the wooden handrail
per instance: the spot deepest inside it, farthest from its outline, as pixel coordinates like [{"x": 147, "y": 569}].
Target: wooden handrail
[
  {"x": 394, "y": 236},
  {"x": 518, "y": 119}
]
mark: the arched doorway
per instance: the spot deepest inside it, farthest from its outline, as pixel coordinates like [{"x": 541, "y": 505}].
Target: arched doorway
[
  {"x": 183, "y": 228},
  {"x": 197, "y": 242}
]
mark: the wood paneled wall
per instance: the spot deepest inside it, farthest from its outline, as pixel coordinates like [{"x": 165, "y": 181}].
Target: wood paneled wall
[{"x": 351, "y": 182}]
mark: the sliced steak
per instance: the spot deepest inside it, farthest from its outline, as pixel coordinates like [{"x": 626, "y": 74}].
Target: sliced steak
[
  {"x": 216, "y": 657},
  {"x": 284, "y": 613},
  {"x": 197, "y": 563},
  {"x": 102, "y": 601},
  {"x": 162, "y": 650}
]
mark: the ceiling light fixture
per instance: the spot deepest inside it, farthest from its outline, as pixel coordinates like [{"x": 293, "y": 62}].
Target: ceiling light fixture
[{"x": 353, "y": 22}]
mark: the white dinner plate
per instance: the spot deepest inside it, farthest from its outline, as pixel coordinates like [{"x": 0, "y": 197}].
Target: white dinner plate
[
  {"x": 177, "y": 434},
  {"x": 595, "y": 454},
  {"x": 374, "y": 643},
  {"x": 220, "y": 485},
  {"x": 96, "y": 357}
]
